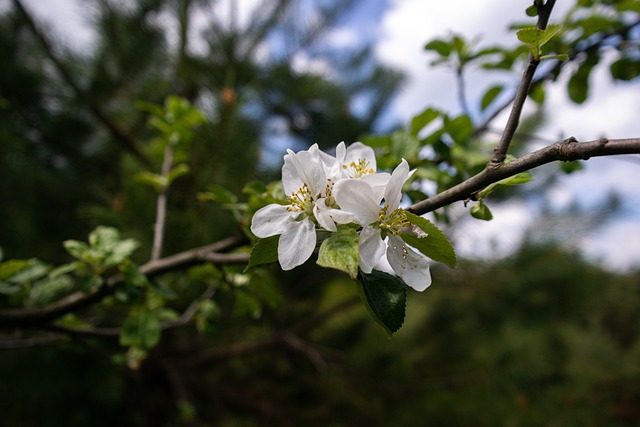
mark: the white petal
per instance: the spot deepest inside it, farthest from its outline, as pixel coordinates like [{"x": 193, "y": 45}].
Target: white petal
[
  {"x": 393, "y": 192},
  {"x": 411, "y": 266},
  {"x": 291, "y": 181},
  {"x": 328, "y": 217},
  {"x": 304, "y": 166},
  {"x": 322, "y": 214},
  {"x": 371, "y": 248},
  {"x": 356, "y": 196},
  {"x": 378, "y": 183},
  {"x": 358, "y": 151},
  {"x": 270, "y": 220},
  {"x": 296, "y": 244}
]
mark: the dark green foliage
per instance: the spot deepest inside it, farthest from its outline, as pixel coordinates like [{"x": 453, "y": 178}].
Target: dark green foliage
[{"x": 541, "y": 338}]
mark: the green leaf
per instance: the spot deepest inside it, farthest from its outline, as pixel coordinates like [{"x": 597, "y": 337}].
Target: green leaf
[
  {"x": 50, "y": 289},
  {"x": 64, "y": 269},
  {"x": 13, "y": 266},
  {"x": 625, "y": 68},
  {"x": 77, "y": 249},
  {"x": 537, "y": 93},
  {"x": 247, "y": 305},
  {"x": 31, "y": 272},
  {"x": 570, "y": 167},
  {"x": 549, "y": 32},
  {"x": 532, "y": 10},
  {"x": 158, "y": 182},
  {"x": 132, "y": 275},
  {"x": 385, "y": 297},
  {"x": 434, "y": 245},
  {"x": 423, "y": 119},
  {"x": 517, "y": 179},
  {"x": 490, "y": 95},
  {"x": 340, "y": 251},
  {"x": 459, "y": 128},
  {"x": 264, "y": 251},
  {"x": 1, "y": 254},
  {"x": 177, "y": 171},
  {"x": 481, "y": 211},
  {"x": 122, "y": 250},
  {"x": 443, "y": 48},
  {"x": 530, "y": 36},
  {"x": 404, "y": 146},
  {"x": 560, "y": 57},
  {"x": 219, "y": 194},
  {"x": 141, "y": 328},
  {"x": 376, "y": 141},
  {"x": 578, "y": 87},
  {"x": 104, "y": 238}
]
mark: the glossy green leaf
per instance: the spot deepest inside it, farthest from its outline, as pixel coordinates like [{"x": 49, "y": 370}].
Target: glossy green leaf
[
  {"x": 435, "y": 244},
  {"x": 264, "y": 251},
  {"x": 385, "y": 297},
  {"x": 340, "y": 251}
]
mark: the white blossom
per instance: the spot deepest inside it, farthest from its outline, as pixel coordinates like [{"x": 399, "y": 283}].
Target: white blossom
[{"x": 388, "y": 221}]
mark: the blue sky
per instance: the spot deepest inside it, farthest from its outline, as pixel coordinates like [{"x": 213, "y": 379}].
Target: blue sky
[{"x": 400, "y": 29}]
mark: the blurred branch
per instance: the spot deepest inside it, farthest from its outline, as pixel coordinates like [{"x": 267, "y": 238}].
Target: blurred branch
[
  {"x": 593, "y": 45},
  {"x": 18, "y": 343},
  {"x": 42, "y": 315},
  {"x": 567, "y": 150},
  {"x": 118, "y": 134},
  {"x": 161, "y": 206},
  {"x": 500, "y": 152}
]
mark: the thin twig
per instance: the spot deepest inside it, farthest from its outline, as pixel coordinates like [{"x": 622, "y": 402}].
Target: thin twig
[
  {"x": 566, "y": 150},
  {"x": 500, "y": 153},
  {"x": 78, "y": 300},
  {"x": 161, "y": 206}
]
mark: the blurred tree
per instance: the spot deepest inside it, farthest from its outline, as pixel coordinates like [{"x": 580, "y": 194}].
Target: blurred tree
[{"x": 73, "y": 125}]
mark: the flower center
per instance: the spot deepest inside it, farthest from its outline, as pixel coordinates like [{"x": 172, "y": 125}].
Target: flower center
[
  {"x": 301, "y": 201},
  {"x": 359, "y": 169},
  {"x": 330, "y": 201},
  {"x": 392, "y": 222}
]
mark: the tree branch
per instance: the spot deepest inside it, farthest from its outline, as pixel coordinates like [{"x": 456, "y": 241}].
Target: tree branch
[
  {"x": 567, "y": 150},
  {"x": 161, "y": 206},
  {"x": 500, "y": 152},
  {"x": 78, "y": 300}
]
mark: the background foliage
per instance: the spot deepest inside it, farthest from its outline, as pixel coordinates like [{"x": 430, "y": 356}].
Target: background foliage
[{"x": 539, "y": 338}]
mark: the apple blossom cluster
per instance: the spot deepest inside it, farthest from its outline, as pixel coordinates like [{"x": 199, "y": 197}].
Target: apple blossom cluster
[{"x": 325, "y": 192}]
